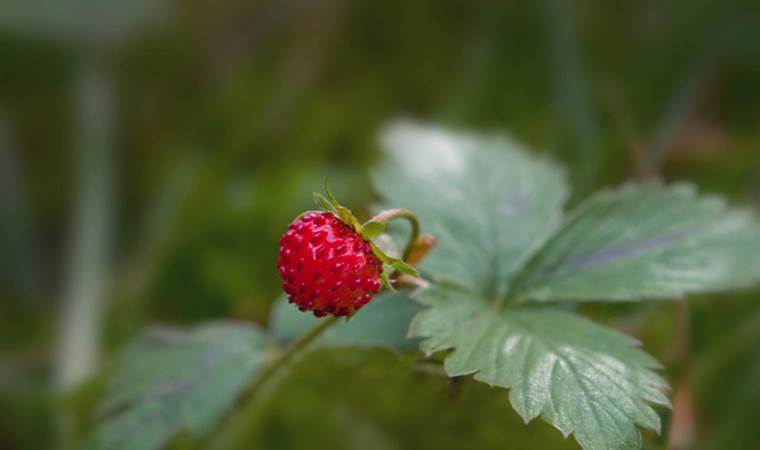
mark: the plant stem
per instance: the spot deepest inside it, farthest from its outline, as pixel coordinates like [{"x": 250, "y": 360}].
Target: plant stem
[
  {"x": 258, "y": 391},
  {"x": 295, "y": 349},
  {"x": 83, "y": 293},
  {"x": 402, "y": 213}
]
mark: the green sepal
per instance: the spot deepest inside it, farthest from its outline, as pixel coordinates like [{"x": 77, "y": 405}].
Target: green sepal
[
  {"x": 368, "y": 231},
  {"x": 405, "y": 268},
  {"x": 343, "y": 213},
  {"x": 334, "y": 201},
  {"x": 346, "y": 216},
  {"x": 386, "y": 279},
  {"x": 395, "y": 263},
  {"x": 323, "y": 203},
  {"x": 371, "y": 229}
]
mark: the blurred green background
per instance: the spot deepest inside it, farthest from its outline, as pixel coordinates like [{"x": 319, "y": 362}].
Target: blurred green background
[{"x": 151, "y": 154}]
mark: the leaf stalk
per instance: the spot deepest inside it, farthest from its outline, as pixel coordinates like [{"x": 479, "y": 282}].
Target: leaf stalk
[{"x": 257, "y": 392}]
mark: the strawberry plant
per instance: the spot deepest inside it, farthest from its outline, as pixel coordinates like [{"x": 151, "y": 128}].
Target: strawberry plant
[{"x": 497, "y": 298}]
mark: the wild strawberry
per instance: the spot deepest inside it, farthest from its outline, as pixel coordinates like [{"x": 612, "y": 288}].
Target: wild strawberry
[{"x": 326, "y": 266}]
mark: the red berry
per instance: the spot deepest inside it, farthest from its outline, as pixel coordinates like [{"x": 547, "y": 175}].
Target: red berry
[{"x": 327, "y": 267}]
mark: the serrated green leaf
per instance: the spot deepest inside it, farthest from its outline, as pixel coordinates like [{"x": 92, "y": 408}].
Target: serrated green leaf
[
  {"x": 383, "y": 322},
  {"x": 489, "y": 203},
  {"x": 646, "y": 241},
  {"x": 370, "y": 230},
  {"x": 492, "y": 207},
  {"x": 172, "y": 380},
  {"x": 582, "y": 378}
]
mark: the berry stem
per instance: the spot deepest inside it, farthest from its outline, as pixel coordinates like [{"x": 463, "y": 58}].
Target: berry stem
[
  {"x": 236, "y": 426},
  {"x": 296, "y": 348},
  {"x": 402, "y": 213}
]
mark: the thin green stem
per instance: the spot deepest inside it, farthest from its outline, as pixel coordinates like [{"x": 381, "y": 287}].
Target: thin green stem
[
  {"x": 402, "y": 213},
  {"x": 262, "y": 385},
  {"x": 295, "y": 349}
]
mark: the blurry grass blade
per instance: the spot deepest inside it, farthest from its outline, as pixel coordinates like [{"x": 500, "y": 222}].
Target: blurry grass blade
[
  {"x": 88, "y": 259},
  {"x": 571, "y": 89}
]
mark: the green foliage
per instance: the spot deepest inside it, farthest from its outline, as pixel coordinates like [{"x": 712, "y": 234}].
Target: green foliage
[
  {"x": 582, "y": 378},
  {"x": 279, "y": 95},
  {"x": 488, "y": 204},
  {"x": 172, "y": 381},
  {"x": 731, "y": 410},
  {"x": 645, "y": 241},
  {"x": 496, "y": 212},
  {"x": 504, "y": 246},
  {"x": 337, "y": 400}
]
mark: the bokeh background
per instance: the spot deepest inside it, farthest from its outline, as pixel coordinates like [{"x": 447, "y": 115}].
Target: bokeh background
[{"x": 151, "y": 153}]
